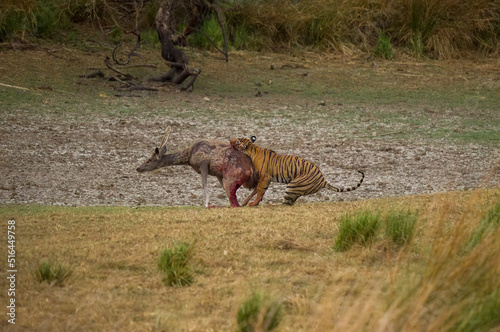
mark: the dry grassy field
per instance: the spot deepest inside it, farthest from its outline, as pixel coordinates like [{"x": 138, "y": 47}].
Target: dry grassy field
[{"x": 434, "y": 283}]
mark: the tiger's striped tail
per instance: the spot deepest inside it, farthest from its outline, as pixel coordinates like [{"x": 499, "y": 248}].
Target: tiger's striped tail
[{"x": 342, "y": 190}]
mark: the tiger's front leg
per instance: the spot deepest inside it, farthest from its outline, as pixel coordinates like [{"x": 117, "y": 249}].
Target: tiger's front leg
[
  {"x": 249, "y": 197},
  {"x": 261, "y": 190}
]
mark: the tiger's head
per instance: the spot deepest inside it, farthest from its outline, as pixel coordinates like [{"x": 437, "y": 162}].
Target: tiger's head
[{"x": 242, "y": 144}]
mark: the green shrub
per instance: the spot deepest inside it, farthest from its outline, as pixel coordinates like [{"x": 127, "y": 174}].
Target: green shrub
[
  {"x": 46, "y": 17},
  {"x": 174, "y": 263},
  {"x": 150, "y": 38},
  {"x": 422, "y": 23},
  {"x": 212, "y": 30},
  {"x": 53, "y": 273},
  {"x": 400, "y": 226},
  {"x": 37, "y": 19},
  {"x": 356, "y": 229},
  {"x": 259, "y": 313},
  {"x": 384, "y": 48}
]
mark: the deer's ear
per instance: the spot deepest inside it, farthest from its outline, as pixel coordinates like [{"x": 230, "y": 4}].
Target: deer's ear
[
  {"x": 157, "y": 151},
  {"x": 253, "y": 139}
]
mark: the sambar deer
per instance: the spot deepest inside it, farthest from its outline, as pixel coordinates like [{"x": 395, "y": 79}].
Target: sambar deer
[{"x": 232, "y": 168}]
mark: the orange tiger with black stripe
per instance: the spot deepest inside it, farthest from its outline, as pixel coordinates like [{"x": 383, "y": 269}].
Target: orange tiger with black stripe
[{"x": 302, "y": 176}]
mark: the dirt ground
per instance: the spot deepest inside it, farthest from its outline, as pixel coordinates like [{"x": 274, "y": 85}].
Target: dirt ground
[{"x": 79, "y": 143}]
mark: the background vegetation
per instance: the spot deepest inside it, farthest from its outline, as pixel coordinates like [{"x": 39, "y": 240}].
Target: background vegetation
[{"x": 433, "y": 28}]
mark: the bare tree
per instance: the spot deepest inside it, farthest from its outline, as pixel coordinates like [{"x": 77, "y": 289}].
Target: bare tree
[
  {"x": 192, "y": 13},
  {"x": 174, "y": 22}
]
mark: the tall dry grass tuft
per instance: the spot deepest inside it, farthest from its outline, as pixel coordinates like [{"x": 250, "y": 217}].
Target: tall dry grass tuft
[
  {"x": 445, "y": 28},
  {"x": 488, "y": 224},
  {"x": 318, "y": 24},
  {"x": 453, "y": 287},
  {"x": 451, "y": 290}
]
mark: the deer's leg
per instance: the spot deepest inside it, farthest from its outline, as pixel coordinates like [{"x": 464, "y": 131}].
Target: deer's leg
[
  {"x": 204, "y": 175},
  {"x": 220, "y": 180},
  {"x": 231, "y": 187}
]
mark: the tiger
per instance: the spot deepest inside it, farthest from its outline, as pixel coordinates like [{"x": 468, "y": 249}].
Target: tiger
[{"x": 302, "y": 176}]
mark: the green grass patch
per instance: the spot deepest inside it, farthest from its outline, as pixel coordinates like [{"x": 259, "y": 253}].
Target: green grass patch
[
  {"x": 52, "y": 272},
  {"x": 211, "y": 33},
  {"x": 400, "y": 226},
  {"x": 487, "y": 225},
  {"x": 384, "y": 48},
  {"x": 42, "y": 18},
  {"x": 174, "y": 262},
  {"x": 359, "y": 228},
  {"x": 149, "y": 38}
]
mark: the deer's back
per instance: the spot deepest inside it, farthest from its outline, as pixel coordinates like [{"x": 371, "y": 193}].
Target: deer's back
[{"x": 224, "y": 161}]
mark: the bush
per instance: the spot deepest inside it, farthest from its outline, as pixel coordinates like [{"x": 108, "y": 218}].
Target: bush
[
  {"x": 356, "y": 229},
  {"x": 384, "y": 47},
  {"x": 174, "y": 263}
]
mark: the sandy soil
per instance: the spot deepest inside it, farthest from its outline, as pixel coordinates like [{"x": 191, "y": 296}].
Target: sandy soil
[
  {"x": 92, "y": 161},
  {"x": 81, "y": 159}
]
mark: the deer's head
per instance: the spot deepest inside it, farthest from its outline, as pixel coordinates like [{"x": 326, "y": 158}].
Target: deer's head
[{"x": 154, "y": 162}]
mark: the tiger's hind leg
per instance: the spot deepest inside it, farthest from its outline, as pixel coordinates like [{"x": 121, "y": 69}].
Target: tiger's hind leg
[
  {"x": 302, "y": 186},
  {"x": 290, "y": 198}
]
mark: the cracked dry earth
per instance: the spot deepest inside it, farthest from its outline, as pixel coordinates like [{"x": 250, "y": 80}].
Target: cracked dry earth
[{"x": 82, "y": 160}]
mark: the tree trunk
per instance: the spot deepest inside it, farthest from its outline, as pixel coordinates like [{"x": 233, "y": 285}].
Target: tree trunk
[{"x": 178, "y": 61}]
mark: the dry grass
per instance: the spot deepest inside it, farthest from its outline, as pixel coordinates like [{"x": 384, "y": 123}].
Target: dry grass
[
  {"x": 437, "y": 28},
  {"x": 281, "y": 251}
]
